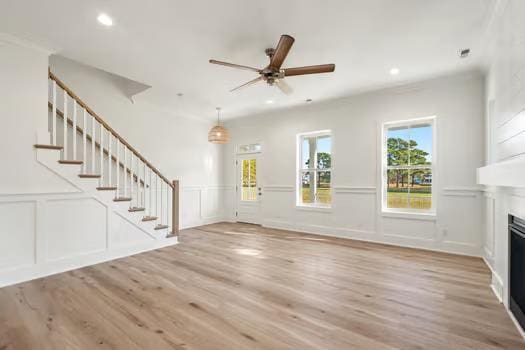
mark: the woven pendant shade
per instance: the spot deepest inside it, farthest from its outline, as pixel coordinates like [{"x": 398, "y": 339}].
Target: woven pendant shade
[{"x": 218, "y": 134}]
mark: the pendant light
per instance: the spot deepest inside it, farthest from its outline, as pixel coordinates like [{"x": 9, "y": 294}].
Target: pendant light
[{"x": 218, "y": 134}]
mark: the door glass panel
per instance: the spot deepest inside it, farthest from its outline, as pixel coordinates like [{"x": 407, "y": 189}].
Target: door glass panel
[{"x": 249, "y": 180}]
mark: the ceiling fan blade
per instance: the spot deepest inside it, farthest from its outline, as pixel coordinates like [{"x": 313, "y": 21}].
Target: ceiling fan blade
[
  {"x": 284, "y": 87},
  {"x": 233, "y": 65},
  {"x": 281, "y": 51},
  {"x": 322, "y": 68},
  {"x": 248, "y": 83}
]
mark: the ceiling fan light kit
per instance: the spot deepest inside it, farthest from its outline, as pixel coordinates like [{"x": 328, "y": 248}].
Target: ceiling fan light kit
[{"x": 218, "y": 134}]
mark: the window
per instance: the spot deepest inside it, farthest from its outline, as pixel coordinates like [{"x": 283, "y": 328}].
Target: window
[
  {"x": 408, "y": 166},
  {"x": 251, "y": 148},
  {"x": 314, "y": 178}
]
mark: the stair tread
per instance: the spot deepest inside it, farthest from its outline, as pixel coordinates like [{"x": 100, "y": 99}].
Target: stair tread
[
  {"x": 149, "y": 218},
  {"x": 89, "y": 176},
  {"x": 76, "y": 162},
  {"x": 161, "y": 227},
  {"x": 136, "y": 209},
  {"x": 122, "y": 199},
  {"x": 40, "y": 146},
  {"x": 106, "y": 188}
]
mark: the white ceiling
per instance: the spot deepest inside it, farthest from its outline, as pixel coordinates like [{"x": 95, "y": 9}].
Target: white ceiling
[{"x": 167, "y": 44}]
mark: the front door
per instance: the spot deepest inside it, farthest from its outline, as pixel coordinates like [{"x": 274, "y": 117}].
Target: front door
[{"x": 248, "y": 188}]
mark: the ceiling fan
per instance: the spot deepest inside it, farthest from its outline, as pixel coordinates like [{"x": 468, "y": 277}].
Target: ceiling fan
[{"x": 273, "y": 74}]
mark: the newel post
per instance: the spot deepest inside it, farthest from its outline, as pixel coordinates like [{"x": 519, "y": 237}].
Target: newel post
[{"x": 175, "y": 209}]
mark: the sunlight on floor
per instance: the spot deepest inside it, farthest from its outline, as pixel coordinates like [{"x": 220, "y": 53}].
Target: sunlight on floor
[{"x": 250, "y": 252}]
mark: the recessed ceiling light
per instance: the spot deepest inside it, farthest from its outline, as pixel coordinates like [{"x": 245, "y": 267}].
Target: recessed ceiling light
[
  {"x": 394, "y": 71},
  {"x": 269, "y": 102},
  {"x": 105, "y": 19}
]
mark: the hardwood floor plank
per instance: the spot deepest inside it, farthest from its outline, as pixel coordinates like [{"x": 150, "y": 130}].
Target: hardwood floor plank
[{"x": 239, "y": 286}]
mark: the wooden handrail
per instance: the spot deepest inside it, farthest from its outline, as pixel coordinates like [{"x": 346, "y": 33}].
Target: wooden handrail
[{"x": 109, "y": 128}]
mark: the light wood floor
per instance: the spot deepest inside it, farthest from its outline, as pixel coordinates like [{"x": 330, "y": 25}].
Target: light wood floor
[{"x": 235, "y": 286}]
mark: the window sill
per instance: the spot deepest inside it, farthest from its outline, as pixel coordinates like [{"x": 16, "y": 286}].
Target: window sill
[
  {"x": 410, "y": 215},
  {"x": 317, "y": 208}
]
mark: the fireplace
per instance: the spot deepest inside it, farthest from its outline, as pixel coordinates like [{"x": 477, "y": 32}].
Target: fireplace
[{"x": 517, "y": 268}]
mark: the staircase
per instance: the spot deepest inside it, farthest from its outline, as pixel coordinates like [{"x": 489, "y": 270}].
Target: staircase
[{"x": 82, "y": 148}]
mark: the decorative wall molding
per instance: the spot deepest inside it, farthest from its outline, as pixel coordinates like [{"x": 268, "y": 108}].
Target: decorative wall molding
[
  {"x": 462, "y": 191},
  {"x": 279, "y": 188},
  {"x": 355, "y": 189}
]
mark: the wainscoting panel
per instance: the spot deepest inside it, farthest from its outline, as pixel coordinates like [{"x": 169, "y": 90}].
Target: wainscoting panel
[
  {"x": 69, "y": 233},
  {"x": 355, "y": 214},
  {"x": 190, "y": 206},
  {"x": 200, "y": 205},
  {"x": 17, "y": 234},
  {"x": 44, "y": 234},
  {"x": 409, "y": 228}
]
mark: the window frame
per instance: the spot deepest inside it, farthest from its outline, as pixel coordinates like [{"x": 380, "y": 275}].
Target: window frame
[
  {"x": 384, "y": 167},
  {"x": 300, "y": 170}
]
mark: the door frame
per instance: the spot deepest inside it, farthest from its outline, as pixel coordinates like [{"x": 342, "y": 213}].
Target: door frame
[{"x": 239, "y": 156}]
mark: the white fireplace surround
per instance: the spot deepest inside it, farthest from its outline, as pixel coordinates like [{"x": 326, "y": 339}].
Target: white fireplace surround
[{"x": 504, "y": 194}]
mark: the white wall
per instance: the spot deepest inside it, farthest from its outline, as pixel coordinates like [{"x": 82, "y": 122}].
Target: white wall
[
  {"x": 176, "y": 145},
  {"x": 23, "y": 93},
  {"x": 457, "y": 102},
  {"x": 505, "y": 105}
]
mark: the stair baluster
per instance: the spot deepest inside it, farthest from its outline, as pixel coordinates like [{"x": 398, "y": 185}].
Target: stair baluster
[
  {"x": 64, "y": 141},
  {"x": 74, "y": 131},
  {"x": 84, "y": 142},
  {"x": 54, "y": 114},
  {"x": 93, "y": 141},
  {"x": 110, "y": 160},
  {"x": 131, "y": 185},
  {"x": 101, "y": 155},
  {"x": 118, "y": 167}
]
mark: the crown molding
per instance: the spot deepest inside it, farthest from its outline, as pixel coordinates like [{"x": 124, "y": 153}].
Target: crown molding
[{"x": 13, "y": 40}]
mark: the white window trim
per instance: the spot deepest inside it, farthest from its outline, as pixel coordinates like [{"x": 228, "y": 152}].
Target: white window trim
[
  {"x": 299, "y": 171},
  {"x": 408, "y": 212}
]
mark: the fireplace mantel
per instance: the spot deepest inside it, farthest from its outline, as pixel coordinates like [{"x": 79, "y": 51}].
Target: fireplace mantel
[{"x": 510, "y": 173}]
